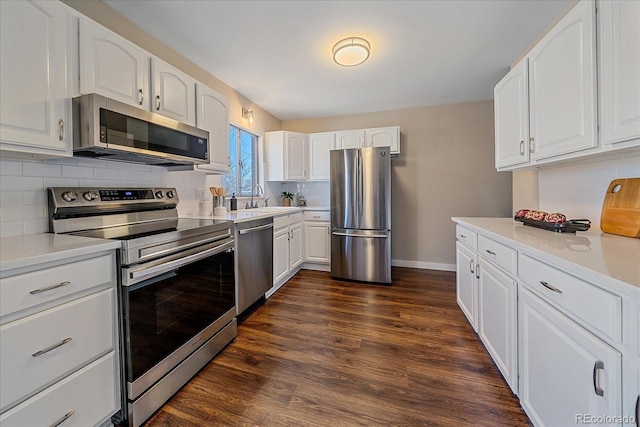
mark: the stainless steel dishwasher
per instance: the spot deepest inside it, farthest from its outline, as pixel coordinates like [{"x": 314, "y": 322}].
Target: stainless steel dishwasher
[{"x": 254, "y": 257}]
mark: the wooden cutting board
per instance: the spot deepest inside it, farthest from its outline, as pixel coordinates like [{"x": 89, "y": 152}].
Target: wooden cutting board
[{"x": 621, "y": 208}]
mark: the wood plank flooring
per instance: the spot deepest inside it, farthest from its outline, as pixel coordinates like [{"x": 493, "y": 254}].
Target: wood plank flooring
[{"x": 323, "y": 352}]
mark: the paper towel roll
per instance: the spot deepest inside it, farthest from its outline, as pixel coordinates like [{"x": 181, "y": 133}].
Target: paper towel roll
[{"x": 219, "y": 211}]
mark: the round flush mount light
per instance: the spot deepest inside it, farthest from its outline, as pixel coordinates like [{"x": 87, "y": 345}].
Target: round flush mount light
[{"x": 351, "y": 51}]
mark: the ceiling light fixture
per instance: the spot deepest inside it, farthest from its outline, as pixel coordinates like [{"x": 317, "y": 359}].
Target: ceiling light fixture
[
  {"x": 249, "y": 115},
  {"x": 351, "y": 51}
]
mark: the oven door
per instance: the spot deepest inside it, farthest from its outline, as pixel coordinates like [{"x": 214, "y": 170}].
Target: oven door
[{"x": 172, "y": 306}]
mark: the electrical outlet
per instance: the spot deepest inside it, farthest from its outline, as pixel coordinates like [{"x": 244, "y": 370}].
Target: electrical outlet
[{"x": 200, "y": 194}]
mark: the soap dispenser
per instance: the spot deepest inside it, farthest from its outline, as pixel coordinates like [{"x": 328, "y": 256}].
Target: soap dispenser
[{"x": 234, "y": 202}]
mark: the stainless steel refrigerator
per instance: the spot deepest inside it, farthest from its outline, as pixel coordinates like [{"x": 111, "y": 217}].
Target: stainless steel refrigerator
[{"x": 361, "y": 214}]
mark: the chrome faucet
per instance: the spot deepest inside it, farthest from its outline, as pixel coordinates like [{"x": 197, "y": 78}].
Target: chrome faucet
[{"x": 260, "y": 191}]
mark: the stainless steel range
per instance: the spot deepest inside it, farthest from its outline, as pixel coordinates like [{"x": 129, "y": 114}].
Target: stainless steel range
[{"x": 177, "y": 293}]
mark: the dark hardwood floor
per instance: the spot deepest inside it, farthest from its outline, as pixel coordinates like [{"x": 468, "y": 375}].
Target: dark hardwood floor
[{"x": 322, "y": 352}]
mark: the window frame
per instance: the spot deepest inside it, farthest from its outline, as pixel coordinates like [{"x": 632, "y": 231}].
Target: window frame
[{"x": 255, "y": 158}]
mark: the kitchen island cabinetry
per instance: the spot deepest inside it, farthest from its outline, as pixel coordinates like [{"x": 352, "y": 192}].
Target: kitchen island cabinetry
[
  {"x": 286, "y": 156},
  {"x": 59, "y": 357},
  {"x": 287, "y": 248},
  {"x": 578, "y": 317},
  {"x": 35, "y": 78},
  {"x": 212, "y": 115},
  {"x": 112, "y": 66},
  {"x": 173, "y": 93},
  {"x": 619, "y": 60},
  {"x": 317, "y": 240}
]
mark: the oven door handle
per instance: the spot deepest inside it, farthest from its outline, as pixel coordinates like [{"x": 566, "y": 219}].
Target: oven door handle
[{"x": 172, "y": 265}]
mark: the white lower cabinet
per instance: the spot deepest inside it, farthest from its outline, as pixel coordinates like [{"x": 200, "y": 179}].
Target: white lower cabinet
[
  {"x": 497, "y": 319},
  {"x": 287, "y": 249},
  {"x": 467, "y": 283},
  {"x": 566, "y": 373},
  {"x": 317, "y": 239}
]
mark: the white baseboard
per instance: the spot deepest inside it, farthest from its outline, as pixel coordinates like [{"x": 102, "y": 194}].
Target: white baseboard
[
  {"x": 316, "y": 266},
  {"x": 423, "y": 265}
]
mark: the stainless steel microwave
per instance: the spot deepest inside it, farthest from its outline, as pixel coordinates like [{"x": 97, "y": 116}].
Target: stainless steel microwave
[{"x": 111, "y": 130}]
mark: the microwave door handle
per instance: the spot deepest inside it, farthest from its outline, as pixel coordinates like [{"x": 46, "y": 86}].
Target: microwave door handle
[{"x": 172, "y": 265}]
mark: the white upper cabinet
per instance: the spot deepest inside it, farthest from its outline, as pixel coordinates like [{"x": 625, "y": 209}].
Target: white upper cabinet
[
  {"x": 320, "y": 145},
  {"x": 34, "y": 85},
  {"x": 511, "y": 105},
  {"x": 350, "y": 139},
  {"x": 562, "y": 86},
  {"x": 112, "y": 66},
  {"x": 212, "y": 115},
  {"x": 619, "y": 57},
  {"x": 173, "y": 92},
  {"x": 286, "y": 156},
  {"x": 383, "y": 137}
]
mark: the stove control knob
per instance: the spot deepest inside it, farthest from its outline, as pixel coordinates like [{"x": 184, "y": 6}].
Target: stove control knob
[
  {"x": 170, "y": 194},
  {"x": 69, "y": 196},
  {"x": 90, "y": 196},
  {"x": 159, "y": 195}
]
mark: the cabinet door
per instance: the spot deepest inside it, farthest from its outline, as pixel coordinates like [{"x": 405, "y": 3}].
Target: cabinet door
[
  {"x": 173, "y": 92},
  {"x": 565, "y": 371},
  {"x": 383, "y": 137},
  {"x": 112, "y": 66},
  {"x": 511, "y": 105},
  {"x": 466, "y": 283},
  {"x": 319, "y": 148},
  {"x": 497, "y": 321},
  {"x": 34, "y": 87},
  {"x": 295, "y": 151},
  {"x": 562, "y": 86},
  {"x": 295, "y": 246},
  {"x": 619, "y": 71},
  {"x": 280, "y": 254},
  {"x": 317, "y": 243},
  {"x": 212, "y": 115},
  {"x": 350, "y": 139}
]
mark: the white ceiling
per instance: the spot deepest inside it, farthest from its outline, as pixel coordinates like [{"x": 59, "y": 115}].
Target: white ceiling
[{"x": 278, "y": 53}]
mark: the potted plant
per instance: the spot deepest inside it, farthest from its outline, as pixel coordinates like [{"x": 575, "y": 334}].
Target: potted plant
[{"x": 287, "y": 196}]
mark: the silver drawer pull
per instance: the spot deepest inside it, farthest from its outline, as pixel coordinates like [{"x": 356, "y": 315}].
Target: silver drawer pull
[
  {"x": 598, "y": 366},
  {"x": 53, "y": 347},
  {"x": 551, "y": 288},
  {"x": 490, "y": 252},
  {"x": 316, "y": 217},
  {"x": 463, "y": 236},
  {"x": 50, "y": 288},
  {"x": 62, "y": 419}
]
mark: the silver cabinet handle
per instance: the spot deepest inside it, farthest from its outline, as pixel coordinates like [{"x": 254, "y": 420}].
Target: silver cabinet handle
[
  {"x": 158, "y": 102},
  {"x": 140, "y": 96},
  {"x": 598, "y": 366},
  {"x": 463, "y": 236},
  {"x": 61, "y": 128},
  {"x": 50, "y": 288},
  {"x": 490, "y": 252},
  {"x": 522, "y": 147},
  {"x": 471, "y": 266},
  {"x": 477, "y": 271},
  {"x": 53, "y": 347},
  {"x": 551, "y": 288},
  {"x": 62, "y": 419},
  {"x": 316, "y": 217},
  {"x": 531, "y": 145}
]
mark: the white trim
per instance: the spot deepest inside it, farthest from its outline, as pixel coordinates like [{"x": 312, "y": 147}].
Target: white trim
[
  {"x": 423, "y": 265},
  {"x": 316, "y": 266}
]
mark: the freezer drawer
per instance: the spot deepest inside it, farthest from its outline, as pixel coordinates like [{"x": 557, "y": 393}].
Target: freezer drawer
[{"x": 363, "y": 255}]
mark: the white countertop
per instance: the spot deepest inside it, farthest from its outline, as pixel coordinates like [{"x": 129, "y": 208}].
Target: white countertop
[
  {"x": 592, "y": 254},
  {"x": 23, "y": 251},
  {"x": 243, "y": 215}
]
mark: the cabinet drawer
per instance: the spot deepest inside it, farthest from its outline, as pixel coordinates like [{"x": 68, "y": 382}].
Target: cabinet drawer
[
  {"x": 88, "y": 321},
  {"x": 467, "y": 237},
  {"x": 295, "y": 218},
  {"x": 90, "y": 393},
  {"x": 501, "y": 255},
  {"x": 280, "y": 222},
  {"x": 16, "y": 291},
  {"x": 588, "y": 303},
  {"x": 316, "y": 215}
]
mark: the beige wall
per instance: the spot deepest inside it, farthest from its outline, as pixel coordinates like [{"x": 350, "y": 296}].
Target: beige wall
[
  {"x": 446, "y": 168},
  {"x": 106, "y": 16}
]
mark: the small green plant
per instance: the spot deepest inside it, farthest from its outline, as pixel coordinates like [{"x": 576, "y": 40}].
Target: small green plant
[{"x": 287, "y": 195}]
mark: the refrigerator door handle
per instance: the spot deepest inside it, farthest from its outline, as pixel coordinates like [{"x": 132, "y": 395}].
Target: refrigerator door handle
[
  {"x": 360, "y": 185},
  {"x": 357, "y": 186},
  {"x": 377, "y": 236}
]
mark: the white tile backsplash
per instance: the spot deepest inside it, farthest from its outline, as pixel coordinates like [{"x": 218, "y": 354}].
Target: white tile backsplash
[
  {"x": 578, "y": 190},
  {"x": 23, "y": 184}
]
